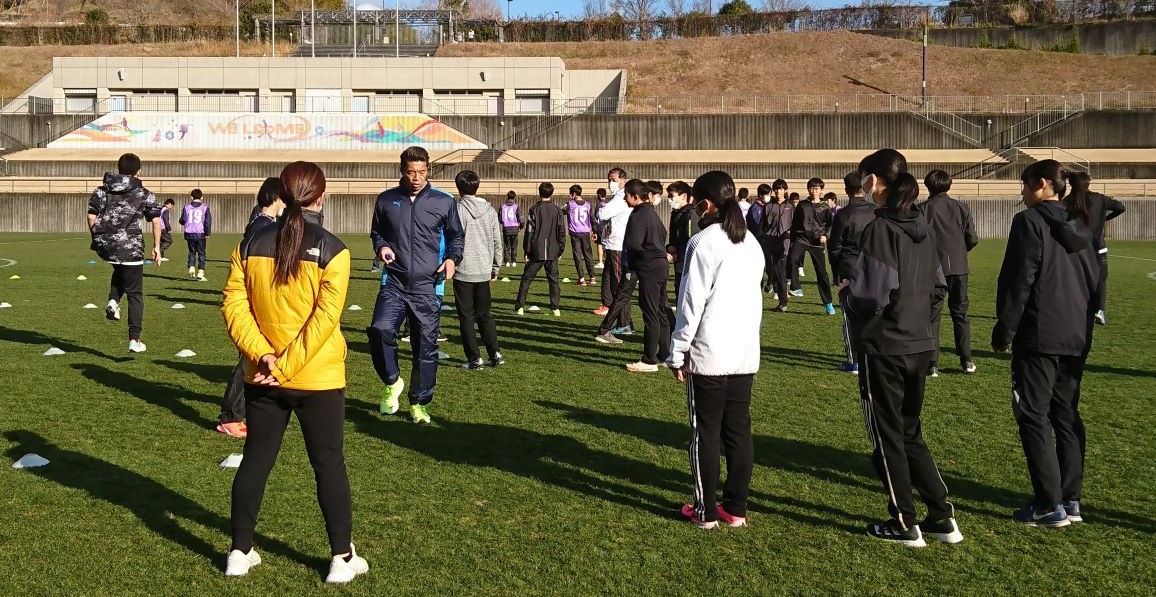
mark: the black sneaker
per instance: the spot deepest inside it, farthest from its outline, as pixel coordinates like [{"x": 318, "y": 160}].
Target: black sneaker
[
  {"x": 1072, "y": 509},
  {"x": 968, "y": 367},
  {"x": 782, "y": 308},
  {"x": 891, "y": 531},
  {"x": 497, "y": 360},
  {"x": 933, "y": 372},
  {"x": 443, "y": 338},
  {"x": 944, "y": 530},
  {"x": 475, "y": 364},
  {"x": 1039, "y": 517}
]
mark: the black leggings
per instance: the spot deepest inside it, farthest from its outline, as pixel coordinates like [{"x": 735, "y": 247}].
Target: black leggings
[{"x": 322, "y": 418}]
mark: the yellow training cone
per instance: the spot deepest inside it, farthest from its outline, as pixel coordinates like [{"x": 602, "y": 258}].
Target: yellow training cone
[{"x": 14, "y": 277}]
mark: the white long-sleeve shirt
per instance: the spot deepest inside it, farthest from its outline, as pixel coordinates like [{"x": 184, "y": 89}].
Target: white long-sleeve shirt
[
  {"x": 720, "y": 306},
  {"x": 617, "y": 212}
]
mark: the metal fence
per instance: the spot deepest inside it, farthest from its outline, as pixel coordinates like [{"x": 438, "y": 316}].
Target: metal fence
[
  {"x": 350, "y": 214},
  {"x": 701, "y": 104}
]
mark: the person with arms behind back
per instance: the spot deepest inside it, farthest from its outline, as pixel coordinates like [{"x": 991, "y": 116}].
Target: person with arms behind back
[
  {"x": 1045, "y": 301},
  {"x": 282, "y": 303},
  {"x": 888, "y": 298}
]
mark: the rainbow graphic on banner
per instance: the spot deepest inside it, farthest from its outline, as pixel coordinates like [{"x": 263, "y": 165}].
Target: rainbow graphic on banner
[{"x": 212, "y": 130}]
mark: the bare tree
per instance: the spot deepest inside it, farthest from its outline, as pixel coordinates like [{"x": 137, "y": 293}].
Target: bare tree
[
  {"x": 637, "y": 11},
  {"x": 484, "y": 9},
  {"x": 676, "y": 8},
  {"x": 702, "y": 6},
  {"x": 592, "y": 9},
  {"x": 784, "y": 5}
]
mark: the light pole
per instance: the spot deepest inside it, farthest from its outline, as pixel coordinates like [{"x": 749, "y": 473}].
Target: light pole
[
  {"x": 355, "y": 28},
  {"x": 312, "y": 29},
  {"x": 508, "y": 3}
]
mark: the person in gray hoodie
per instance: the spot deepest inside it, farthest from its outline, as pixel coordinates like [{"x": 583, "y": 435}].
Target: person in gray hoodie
[{"x": 480, "y": 263}]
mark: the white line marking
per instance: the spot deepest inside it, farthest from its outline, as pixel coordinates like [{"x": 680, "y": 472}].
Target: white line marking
[
  {"x": 31, "y": 242},
  {"x": 8, "y": 262},
  {"x": 1136, "y": 258}
]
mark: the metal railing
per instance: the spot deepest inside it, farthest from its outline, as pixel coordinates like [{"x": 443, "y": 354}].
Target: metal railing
[
  {"x": 243, "y": 186},
  {"x": 697, "y": 104}
]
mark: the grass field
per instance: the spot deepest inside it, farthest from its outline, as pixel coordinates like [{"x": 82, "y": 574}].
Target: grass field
[{"x": 557, "y": 474}]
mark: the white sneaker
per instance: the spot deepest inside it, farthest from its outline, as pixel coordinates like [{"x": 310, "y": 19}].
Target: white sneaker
[
  {"x": 557, "y": 312},
  {"x": 641, "y": 367},
  {"x": 341, "y": 571},
  {"x": 163, "y": 259},
  {"x": 112, "y": 311},
  {"x": 599, "y": 265},
  {"x": 136, "y": 346},
  {"x": 1101, "y": 318},
  {"x": 200, "y": 275},
  {"x": 192, "y": 272},
  {"x": 239, "y": 562},
  {"x": 801, "y": 274}
]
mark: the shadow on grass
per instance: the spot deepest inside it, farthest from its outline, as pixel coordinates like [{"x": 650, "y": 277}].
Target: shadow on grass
[
  {"x": 8, "y": 334},
  {"x": 556, "y": 460},
  {"x": 1088, "y": 368},
  {"x": 207, "y": 372},
  {"x": 185, "y": 299},
  {"x": 159, "y": 508},
  {"x": 852, "y": 469},
  {"x": 167, "y": 396}
]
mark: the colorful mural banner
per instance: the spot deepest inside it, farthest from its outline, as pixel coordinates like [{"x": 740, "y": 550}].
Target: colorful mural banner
[{"x": 218, "y": 130}]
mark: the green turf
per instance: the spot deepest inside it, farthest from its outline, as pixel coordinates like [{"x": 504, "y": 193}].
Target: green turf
[{"x": 559, "y": 473}]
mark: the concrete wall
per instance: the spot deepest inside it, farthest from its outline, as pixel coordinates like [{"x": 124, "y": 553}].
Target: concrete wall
[
  {"x": 1114, "y": 38},
  {"x": 305, "y": 78},
  {"x": 350, "y": 215}
]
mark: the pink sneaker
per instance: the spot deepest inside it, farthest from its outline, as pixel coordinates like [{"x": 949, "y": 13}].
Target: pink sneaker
[
  {"x": 235, "y": 429},
  {"x": 603, "y": 310},
  {"x": 730, "y": 520},
  {"x": 688, "y": 513}
]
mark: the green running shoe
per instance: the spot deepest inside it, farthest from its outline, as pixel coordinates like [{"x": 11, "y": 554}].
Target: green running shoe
[
  {"x": 390, "y": 397},
  {"x": 419, "y": 414}
]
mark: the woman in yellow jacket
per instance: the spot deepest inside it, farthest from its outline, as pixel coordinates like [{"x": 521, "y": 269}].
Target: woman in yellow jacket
[{"x": 282, "y": 304}]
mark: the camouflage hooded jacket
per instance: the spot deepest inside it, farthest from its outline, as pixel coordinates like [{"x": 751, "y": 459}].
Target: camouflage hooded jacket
[{"x": 119, "y": 204}]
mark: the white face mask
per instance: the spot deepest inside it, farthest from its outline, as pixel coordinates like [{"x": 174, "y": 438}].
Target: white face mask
[
  {"x": 613, "y": 186},
  {"x": 673, "y": 203}
]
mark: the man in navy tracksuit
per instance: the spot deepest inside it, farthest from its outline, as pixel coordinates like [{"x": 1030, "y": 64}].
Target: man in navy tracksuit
[
  {"x": 844, "y": 246},
  {"x": 418, "y": 235}
]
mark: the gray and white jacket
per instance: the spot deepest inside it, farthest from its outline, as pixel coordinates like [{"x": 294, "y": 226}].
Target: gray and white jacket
[
  {"x": 119, "y": 204},
  {"x": 482, "y": 253}
]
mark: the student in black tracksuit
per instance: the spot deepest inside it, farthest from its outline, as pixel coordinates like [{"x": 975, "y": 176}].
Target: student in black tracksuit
[
  {"x": 843, "y": 249},
  {"x": 777, "y": 218},
  {"x": 269, "y": 205},
  {"x": 756, "y": 217},
  {"x": 810, "y": 229},
  {"x": 1045, "y": 301},
  {"x": 1101, "y": 208},
  {"x": 543, "y": 243},
  {"x": 683, "y": 225},
  {"x": 954, "y": 232},
  {"x": 888, "y": 299},
  {"x": 645, "y": 248}
]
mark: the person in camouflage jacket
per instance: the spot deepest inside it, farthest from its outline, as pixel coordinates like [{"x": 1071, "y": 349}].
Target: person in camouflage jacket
[{"x": 114, "y": 213}]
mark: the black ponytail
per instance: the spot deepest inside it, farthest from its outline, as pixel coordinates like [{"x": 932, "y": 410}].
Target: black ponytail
[
  {"x": 1049, "y": 170},
  {"x": 1077, "y": 200},
  {"x": 719, "y": 188},
  {"x": 902, "y": 192}
]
